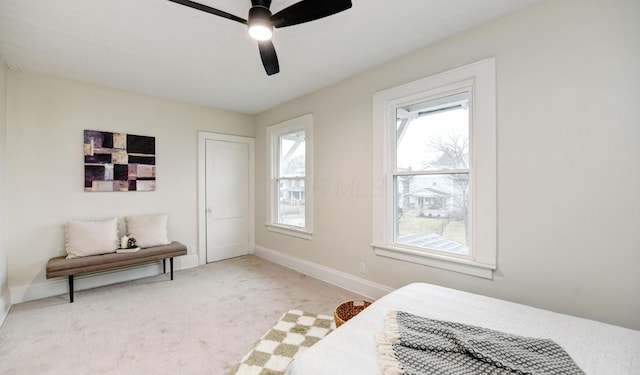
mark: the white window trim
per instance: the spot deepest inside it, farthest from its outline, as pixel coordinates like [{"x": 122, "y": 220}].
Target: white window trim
[
  {"x": 305, "y": 123},
  {"x": 480, "y": 76}
]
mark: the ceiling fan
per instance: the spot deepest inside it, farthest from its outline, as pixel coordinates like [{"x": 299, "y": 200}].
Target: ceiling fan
[{"x": 261, "y": 22}]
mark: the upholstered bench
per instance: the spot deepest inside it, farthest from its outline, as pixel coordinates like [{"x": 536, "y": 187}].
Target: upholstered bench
[{"x": 60, "y": 266}]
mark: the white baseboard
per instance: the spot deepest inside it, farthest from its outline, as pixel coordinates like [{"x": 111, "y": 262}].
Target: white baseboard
[
  {"x": 60, "y": 285},
  {"x": 344, "y": 280},
  {"x": 185, "y": 261},
  {"x": 4, "y": 306}
]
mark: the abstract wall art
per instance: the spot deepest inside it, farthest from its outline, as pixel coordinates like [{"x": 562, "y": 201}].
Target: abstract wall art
[{"x": 119, "y": 162}]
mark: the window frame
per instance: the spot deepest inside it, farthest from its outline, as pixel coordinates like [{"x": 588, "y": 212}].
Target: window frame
[
  {"x": 479, "y": 79},
  {"x": 274, "y": 132}
]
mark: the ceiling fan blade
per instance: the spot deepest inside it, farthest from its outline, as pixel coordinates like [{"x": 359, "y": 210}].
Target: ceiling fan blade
[
  {"x": 269, "y": 57},
  {"x": 308, "y": 10},
  {"x": 208, "y": 9}
]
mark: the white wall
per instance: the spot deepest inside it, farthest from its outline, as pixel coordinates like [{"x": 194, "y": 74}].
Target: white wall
[
  {"x": 568, "y": 155},
  {"x": 46, "y": 119},
  {"x": 4, "y": 280}
]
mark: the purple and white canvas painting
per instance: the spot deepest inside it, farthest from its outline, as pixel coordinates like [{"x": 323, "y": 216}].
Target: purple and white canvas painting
[{"x": 119, "y": 162}]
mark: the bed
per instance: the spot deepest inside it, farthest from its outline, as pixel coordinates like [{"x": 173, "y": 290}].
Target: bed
[{"x": 597, "y": 348}]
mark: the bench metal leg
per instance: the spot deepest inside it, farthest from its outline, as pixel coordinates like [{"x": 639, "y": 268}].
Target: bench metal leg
[
  {"x": 70, "y": 288},
  {"x": 164, "y": 270}
]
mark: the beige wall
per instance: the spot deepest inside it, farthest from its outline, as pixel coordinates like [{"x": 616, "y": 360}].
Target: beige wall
[
  {"x": 568, "y": 154},
  {"x": 4, "y": 286},
  {"x": 45, "y": 126}
]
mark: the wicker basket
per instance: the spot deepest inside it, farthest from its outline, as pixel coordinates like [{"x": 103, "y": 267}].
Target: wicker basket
[{"x": 347, "y": 310}]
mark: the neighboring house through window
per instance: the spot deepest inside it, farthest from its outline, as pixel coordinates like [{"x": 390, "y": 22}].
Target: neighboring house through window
[
  {"x": 435, "y": 156},
  {"x": 290, "y": 145}
]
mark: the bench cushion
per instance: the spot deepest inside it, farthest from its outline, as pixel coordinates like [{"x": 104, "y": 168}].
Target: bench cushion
[{"x": 60, "y": 266}]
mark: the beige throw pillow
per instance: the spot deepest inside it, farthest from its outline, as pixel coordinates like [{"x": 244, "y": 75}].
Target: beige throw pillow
[
  {"x": 148, "y": 230},
  {"x": 86, "y": 238}
]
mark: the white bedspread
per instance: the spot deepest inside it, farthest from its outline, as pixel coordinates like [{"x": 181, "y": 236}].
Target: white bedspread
[{"x": 596, "y": 347}]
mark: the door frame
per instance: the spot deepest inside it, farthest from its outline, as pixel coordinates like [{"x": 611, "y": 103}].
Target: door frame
[{"x": 203, "y": 136}]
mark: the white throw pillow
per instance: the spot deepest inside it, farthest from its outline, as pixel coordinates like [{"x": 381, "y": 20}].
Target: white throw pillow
[
  {"x": 86, "y": 238},
  {"x": 148, "y": 230}
]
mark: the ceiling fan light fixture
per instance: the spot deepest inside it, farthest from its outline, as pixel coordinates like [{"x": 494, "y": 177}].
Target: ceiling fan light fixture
[
  {"x": 259, "y": 23},
  {"x": 260, "y": 32}
]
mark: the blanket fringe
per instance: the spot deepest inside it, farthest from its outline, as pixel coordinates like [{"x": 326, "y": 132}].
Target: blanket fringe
[{"x": 391, "y": 335}]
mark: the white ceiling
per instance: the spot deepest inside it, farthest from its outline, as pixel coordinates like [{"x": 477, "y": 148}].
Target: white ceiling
[{"x": 165, "y": 49}]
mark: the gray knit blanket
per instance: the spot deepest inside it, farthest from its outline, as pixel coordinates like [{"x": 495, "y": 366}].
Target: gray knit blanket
[{"x": 414, "y": 345}]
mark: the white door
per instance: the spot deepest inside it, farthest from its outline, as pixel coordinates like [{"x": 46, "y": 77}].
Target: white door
[{"x": 227, "y": 199}]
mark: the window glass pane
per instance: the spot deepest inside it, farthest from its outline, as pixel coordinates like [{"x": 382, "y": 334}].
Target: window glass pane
[
  {"x": 291, "y": 202},
  {"x": 434, "y": 134},
  {"x": 292, "y": 155},
  {"x": 432, "y": 212}
]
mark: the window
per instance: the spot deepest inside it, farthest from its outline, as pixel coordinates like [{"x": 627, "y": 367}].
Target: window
[
  {"x": 431, "y": 174},
  {"x": 290, "y": 169},
  {"x": 435, "y": 161}
]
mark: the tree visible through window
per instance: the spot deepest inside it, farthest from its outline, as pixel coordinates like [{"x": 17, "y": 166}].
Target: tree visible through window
[{"x": 432, "y": 174}]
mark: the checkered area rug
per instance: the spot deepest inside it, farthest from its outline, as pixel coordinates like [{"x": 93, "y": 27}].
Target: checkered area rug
[{"x": 295, "y": 332}]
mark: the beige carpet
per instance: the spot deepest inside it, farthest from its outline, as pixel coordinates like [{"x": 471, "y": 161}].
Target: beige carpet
[{"x": 203, "y": 322}]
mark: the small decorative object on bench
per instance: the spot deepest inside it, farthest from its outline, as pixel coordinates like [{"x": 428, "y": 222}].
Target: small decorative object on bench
[
  {"x": 94, "y": 246},
  {"x": 128, "y": 250},
  {"x": 127, "y": 245}
]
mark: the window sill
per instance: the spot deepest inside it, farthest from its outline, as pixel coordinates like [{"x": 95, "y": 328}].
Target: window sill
[
  {"x": 289, "y": 231},
  {"x": 464, "y": 266}
]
